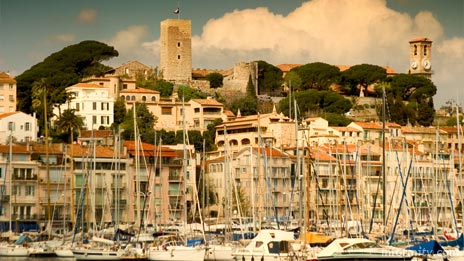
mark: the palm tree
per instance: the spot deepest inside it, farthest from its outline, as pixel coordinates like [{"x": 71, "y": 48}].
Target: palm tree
[
  {"x": 40, "y": 91},
  {"x": 68, "y": 122}
]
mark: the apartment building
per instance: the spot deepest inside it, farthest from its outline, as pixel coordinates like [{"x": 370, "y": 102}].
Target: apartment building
[
  {"x": 92, "y": 102},
  {"x": 7, "y": 93},
  {"x": 21, "y": 126}
]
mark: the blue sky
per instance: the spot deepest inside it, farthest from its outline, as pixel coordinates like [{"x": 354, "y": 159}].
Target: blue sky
[{"x": 340, "y": 32}]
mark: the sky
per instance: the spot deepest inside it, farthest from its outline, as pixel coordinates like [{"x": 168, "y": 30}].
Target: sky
[{"x": 338, "y": 32}]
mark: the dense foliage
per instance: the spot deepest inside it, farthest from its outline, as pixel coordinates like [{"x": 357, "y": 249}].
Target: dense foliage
[
  {"x": 409, "y": 99},
  {"x": 313, "y": 102},
  {"x": 269, "y": 79},
  {"x": 144, "y": 119},
  {"x": 215, "y": 79},
  {"x": 359, "y": 77},
  {"x": 153, "y": 81},
  {"x": 188, "y": 93},
  {"x": 318, "y": 76},
  {"x": 63, "y": 69}
]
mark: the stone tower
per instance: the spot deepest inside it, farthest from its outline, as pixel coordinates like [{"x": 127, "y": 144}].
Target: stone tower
[
  {"x": 176, "y": 50},
  {"x": 420, "y": 57}
]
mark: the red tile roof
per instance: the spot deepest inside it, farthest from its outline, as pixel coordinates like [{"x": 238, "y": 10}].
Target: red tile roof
[
  {"x": 16, "y": 149},
  {"x": 87, "y": 85},
  {"x": 4, "y": 115},
  {"x": 420, "y": 39},
  {"x": 368, "y": 125},
  {"x": 210, "y": 102},
  {"x": 87, "y": 134},
  {"x": 5, "y": 78}
]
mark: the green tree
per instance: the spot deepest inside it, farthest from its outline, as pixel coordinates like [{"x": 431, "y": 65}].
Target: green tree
[
  {"x": 293, "y": 80},
  {"x": 362, "y": 76},
  {"x": 215, "y": 79},
  {"x": 190, "y": 93},
  {"x": 69, "y": 123},
  {"x": 313, "y": 102},
  {"x": 41, "y": 103},
  {"x": 145, "y": 121},
  {"x": 269, "y": 79},
  {"x": 63, "y": 69},
  {"x": 317, "y": 76},
  {"x": 165, "y": 88},
  {"x": 119, "y": 112}
]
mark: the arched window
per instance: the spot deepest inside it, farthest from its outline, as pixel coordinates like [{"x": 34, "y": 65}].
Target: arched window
[
  {"x": 133, "y": 97},
  {"x": 122, "y": 97},
  {"x": 128, "y": 98},
  {"x": 425, "y": 49},
  {"x": 144, "y": 98},
  {"x": 415, "y": 49},
  {"x": 153, "y": 98}
]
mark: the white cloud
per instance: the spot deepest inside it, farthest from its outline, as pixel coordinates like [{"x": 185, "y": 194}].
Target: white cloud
[
  {"x": 129, "y": 43},
  {"x": 65, "y": 38},
  {"x": 331, "y": 31},
  {"x": 87, "y": 16}
]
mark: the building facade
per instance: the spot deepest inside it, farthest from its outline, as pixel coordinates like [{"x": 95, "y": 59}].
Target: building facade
[{"x": 7, "y": 93}]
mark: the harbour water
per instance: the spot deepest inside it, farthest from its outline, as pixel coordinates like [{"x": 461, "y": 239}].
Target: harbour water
[{"x": 4, "y": 258}]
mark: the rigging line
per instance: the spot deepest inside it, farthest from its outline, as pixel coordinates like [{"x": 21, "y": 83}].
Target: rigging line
[
  {"x": 353, "y": 168},
  {"x": 390, "y": 241},
  {"x": 318, "y": 187}
]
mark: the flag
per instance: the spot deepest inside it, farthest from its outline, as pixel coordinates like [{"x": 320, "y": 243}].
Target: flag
[{"x": 176, "y": 11}]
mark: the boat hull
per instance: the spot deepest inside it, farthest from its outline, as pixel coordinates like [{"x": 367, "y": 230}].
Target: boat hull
[
  {"x": 96, "y": 254},
  {"x": 14, "y": 251},
  {"x": 177, "y": 253}
]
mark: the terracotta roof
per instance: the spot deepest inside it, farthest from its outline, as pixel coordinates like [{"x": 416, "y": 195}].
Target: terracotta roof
[
  {"x": 343, "y": 67},
  {"x": 286, "y": 67},
  {"x": 4, "y": 115},
  {"x": 451, "y": 129},
  {"x": 16, "y": 149},
  {"x": 87, "y": 151},
  {"x": 229, "y": 113},
  {"x": 147, "y": 149},
  {"x": 346, "y": 129},
  {"x": 368, "y": 125},
  {"x": 269, "y": 152},
  {"x": 420, "y": 39},
  {"x": 5, "y": 78},
  {"x": 321, "y": 155},
  {"x": 87, "y": 85},
  {"x": 53, "y": 148},
  {"x": 392, "y": 125},
  {"x": 419, "y": 130},
  {"x": 211, "y": 102},
  {"x": 139, "y": 90},
  {"x": 87, "y": 134}
]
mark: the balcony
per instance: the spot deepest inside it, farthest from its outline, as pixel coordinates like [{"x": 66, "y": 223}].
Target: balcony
[
  {"x": 174, "y": 177},
  {"x": 5, "y": 198},
  {"x": 118, "y": 185}
]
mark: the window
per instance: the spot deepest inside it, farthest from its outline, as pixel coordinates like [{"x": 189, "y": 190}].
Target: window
[
  {"x": 94, "y": 119},
  {"x": 126, "y": 70},
  {"x": 77, "y": 106},
  {"x": 16, "y": 190},
  {"x": 425, "y": 49},
  {"x": 178, "y": 44},
  {"x": 94, "y": 105},
  {"x": 166, "y": 110},
  {"x": 153, "y": 98},
  {"x": 11, "y": 98},
  {"x": 124, "y": 86},
  {"x": 178, "y": 57},
  {"x": 133, "y": 97},
  {"x": 2, "y": 98},
  {"x": 11, "y": 86},
  {"x": 415, "y": 49},
  {"x": 11, "y": 126},
  {"x": 27, "y": 126},
  {"x": 30, "y": 190},
  {"x": 127, "y": 97},
  {"x": 1, "y": 173},
  {"x": 122, "y": 97},
  {"x": 144, "y": 98}
]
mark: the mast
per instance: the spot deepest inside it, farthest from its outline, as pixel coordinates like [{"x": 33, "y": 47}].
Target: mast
[
  {"x": 384, "y": 179},
  {"x": 10, "y": 172},
  {"x": 137, "y": 178},
  {"x": 184, "y": 162}
]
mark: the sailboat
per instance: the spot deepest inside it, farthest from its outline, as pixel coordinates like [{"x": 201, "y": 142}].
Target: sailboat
[
  {"x": 172, "y": 249},
  {"x": 17, "y": 249}
]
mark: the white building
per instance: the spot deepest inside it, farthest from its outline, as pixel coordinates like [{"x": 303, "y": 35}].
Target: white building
[
  {"x": 22, "y": 126},
  {"x": 92, "y": 102}
]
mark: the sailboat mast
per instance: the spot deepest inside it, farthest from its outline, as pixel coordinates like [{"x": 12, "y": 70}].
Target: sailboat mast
[
  {"x": 10, "y": 172},
  {"x": 137, "y": 179},
  {"x": 384, "y": 179},
  {"x": 184, "y": 161}
]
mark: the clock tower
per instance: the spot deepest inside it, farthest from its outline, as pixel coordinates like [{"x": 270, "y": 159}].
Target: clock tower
[{"x": 420, "y": 57}]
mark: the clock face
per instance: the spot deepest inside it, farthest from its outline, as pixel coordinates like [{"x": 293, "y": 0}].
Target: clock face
[
  {"x": 414, "y": 65},
  {"x": 426, "y": 64}
]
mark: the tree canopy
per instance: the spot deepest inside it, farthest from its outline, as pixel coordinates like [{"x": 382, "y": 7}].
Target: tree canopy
[
  {"x": 215, "y": 79},
  {"x": 269, "y": 79},
  {"x": 362, "y": 75},
  {"x": 60, "y": 70},
  {"x": 144, "y": 119},
  {"x": 317, "y": 76},
  {"x": 313, "y": 102},
  {"x": 189, "y": 93}
]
